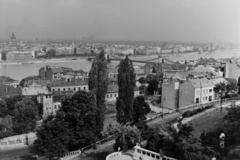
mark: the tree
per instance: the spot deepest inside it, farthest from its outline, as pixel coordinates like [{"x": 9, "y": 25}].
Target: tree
[
  {"x": 25, "y": 116},
  {"x": 179, "y": 144},
  {"x": 238, "y": 84},
  {"x": 127, "y": 136},
  {"x": 231, "y": 87},
  {"x": 39, "y": 106},
  {"x": 126, "y": 84},
  {"x": 11, "y": 101},
  {"x": 52, "y": 138},
  {"x": 3, "y": 109},
  {"x": 153, "y": 86},
  {"x": 98, "y": 83},
  {"x": 220, "y": 89},
  {"x": 78, "y": 118},
  {"x": 140, "y": 109}
]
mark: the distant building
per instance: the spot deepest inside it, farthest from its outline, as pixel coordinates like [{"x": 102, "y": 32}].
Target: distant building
[
  {"x": 232, "y": 70},
  {"x": 43, "y": 94},
  {"x": 57, "y": 73},
  {"x": 7, "y": 91},
  {"x": 170, "y": 94},
  {"x": 20, "y": 55},
  {"x": 197, "y": 91},
  {"x": 112, "y": 92},
  {"x": 64, "y": 51},
  {"x": 61, "y": 86}
]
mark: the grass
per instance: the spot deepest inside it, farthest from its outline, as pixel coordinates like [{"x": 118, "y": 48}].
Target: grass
[{"x": 208, "y": 122}]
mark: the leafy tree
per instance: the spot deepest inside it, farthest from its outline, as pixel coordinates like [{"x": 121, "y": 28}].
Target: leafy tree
[
  {"x": 127, "y": 138},
  {"x": 126, "y": 84},
  {"x": 39, "y": 106},
  {"x": 11, "y": 101},
  {"x": 179, "y": 144},
  {"x": 153, "y": 86},
  {"x": 231, "y": 87},
  {"x": 25, "y": 116},
  {"x": 52, "y": 138},
  {"x": 238, "y": 84},
  {"x": 220, "y": 89},
  {"x": 140, "y": 109},
  {"x": 98, "y": 83},
  {"x": 234, "y": 153},
  {"x": 120, "y": 108},
  {"x": 3, "y": 109},
  {"x": 78, "y": 118}
]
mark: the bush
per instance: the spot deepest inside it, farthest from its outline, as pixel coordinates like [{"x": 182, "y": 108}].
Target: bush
[{"x": 195, "y": 111}]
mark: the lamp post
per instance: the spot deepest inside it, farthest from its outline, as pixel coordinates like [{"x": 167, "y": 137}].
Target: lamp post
[{"x": 222, "y": 137}]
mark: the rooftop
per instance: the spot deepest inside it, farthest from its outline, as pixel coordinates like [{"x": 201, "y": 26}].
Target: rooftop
[{"x": 35, "y": 90}]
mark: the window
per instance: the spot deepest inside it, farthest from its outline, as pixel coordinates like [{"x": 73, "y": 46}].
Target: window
[
  {"x": 49, "y": 96},
  {"x": 203, "y": 91},
  {"x": 111, "y": 95},
  {"x": 69, "y": 88},
  {"x": 210, "y": 98},
  {"x": 197, "y": 100},
  {"x": 46, "y": 96},
  {"x": 84, "y": 88},
  {"x": 115, "y": 95},
  {"x": 197, "y": 92},
  {"x": 210, "y": 90},
  {"x": 64, "y": 89},
  {"x": 58, "y": 89},
  {"x": 79, "y": 88},
  {"x": 55, "y": 106},
  {"x": 53, "y": 90},
  {"x": 206, "y": 91},
  {"x": 107, "y": 95},
  {"x": 74, "y": 88}
]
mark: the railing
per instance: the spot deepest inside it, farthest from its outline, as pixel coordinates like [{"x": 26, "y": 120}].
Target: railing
[
  {"x": 72, "y": 153},
  {"x": 112, "y": 155},
  {"x": 139, "y": 152}
]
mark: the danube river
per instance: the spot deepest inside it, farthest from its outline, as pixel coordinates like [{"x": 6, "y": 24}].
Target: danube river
[{"x": 20, "y": 71}]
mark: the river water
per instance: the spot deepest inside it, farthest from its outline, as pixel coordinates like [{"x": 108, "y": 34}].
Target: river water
[{"x": 20, "y": 71}]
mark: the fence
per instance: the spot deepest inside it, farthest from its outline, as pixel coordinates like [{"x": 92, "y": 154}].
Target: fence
[
  {"x": 18, "y": 141},
  {"x": 73, "y": 153},
  {"x": 112, "y": 155}
]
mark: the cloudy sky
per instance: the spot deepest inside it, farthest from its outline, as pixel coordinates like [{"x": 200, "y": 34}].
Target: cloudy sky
[{"x": 157, "y": 20}]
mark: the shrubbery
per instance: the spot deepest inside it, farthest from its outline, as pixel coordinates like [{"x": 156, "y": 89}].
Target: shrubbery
[{"x": 195, "y": 111}]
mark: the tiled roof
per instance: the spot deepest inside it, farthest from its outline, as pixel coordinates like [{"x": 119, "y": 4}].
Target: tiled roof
[
  {"x": 204, "y": 82},
  {"x": 56, "y": 69},
  {"x": 35, "y": 90},
  {"x": 9, "y": 90},
  {"x": 114, "y": 89},
  {"x": 62, "y": 83}
]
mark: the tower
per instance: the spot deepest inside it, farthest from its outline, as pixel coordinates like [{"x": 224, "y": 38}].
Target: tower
[{"x": 13, "y": 39}]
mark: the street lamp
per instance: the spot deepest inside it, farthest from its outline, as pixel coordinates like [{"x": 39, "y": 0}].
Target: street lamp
[{"x": 222, "y": 137}]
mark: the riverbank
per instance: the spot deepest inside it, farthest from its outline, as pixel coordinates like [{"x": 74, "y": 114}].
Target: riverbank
[{"x": 35, "y": 61}]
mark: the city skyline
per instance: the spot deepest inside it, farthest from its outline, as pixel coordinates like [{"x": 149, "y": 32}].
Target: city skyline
[{"x": 185, "y": 20}]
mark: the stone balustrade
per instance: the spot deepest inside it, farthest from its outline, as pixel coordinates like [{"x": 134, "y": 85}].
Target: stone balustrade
[{"x": 112, "y": 155}]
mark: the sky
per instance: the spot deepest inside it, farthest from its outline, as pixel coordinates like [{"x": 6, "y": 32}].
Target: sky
[{"x": 154, "y": 20}]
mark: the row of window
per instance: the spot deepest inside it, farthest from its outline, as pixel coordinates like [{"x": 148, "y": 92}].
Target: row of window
[
  {"x": 111, "y": 95},
  {"x": 204, "y": 99},
  {"x": 204, "y": 91},
  {"x": 48, "y": 96},
  {"x": 55, "y": 107},
  {"x": 68, "y": 89}
]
